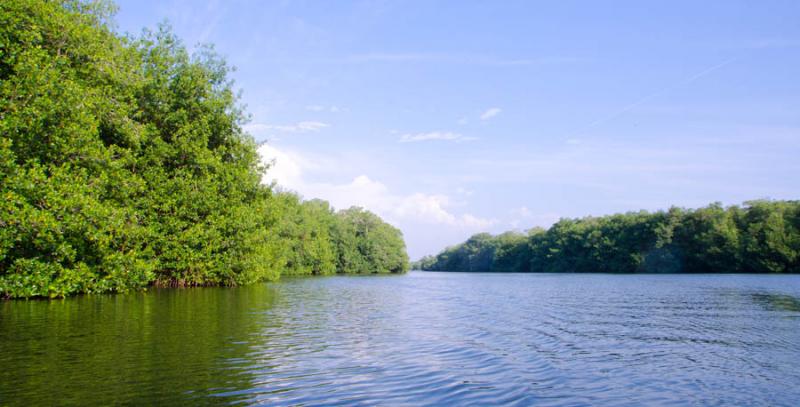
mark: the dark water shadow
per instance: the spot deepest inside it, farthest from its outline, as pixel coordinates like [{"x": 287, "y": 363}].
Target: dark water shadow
[
  {"x": 777, "y": 302},
  {"x": 163, "y": 347}
]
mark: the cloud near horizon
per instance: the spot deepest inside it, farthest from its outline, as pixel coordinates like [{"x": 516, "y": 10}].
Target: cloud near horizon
[{"x": 288, "y": 170}]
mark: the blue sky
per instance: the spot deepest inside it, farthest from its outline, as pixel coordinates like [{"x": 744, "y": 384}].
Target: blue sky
[{"x": 449, "y": 118}]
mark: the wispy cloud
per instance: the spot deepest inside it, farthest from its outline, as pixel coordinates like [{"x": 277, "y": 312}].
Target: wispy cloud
[
  {"x": 465, "y": 59},
  {"x": 299, "y": 127},
  {"x": 767, "y": 43},
  {"x": 435, "y": 135},
  {"x": 321, "y": 108},
  {"x": 491, "y": 112},
  {"x": 464, "y": 191}
]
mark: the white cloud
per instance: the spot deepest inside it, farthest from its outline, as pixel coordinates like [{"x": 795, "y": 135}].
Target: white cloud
[
  {"x": 284, "y": 168},
  {"x": 522, "y": 212},
  {"x": 524, "y": 217},
  {"x": 435, "y": 135},
  {"x": 299, "y": 127},
  {"x": 464, "y": 191},
  {"x": 321, "y": 108},
  {"x": 288, "y": 169},
  {"x": 433, "y": 208},
  {"x": 491, "y": 112}
]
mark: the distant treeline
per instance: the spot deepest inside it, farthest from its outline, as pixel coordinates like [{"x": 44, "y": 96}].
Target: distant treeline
[
  {"x": 123, "y": 164},
  {"x": 758, "y": 237}
]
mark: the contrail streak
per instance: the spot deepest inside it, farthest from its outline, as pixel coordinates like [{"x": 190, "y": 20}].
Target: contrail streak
[{"x": 645, "y": 99}]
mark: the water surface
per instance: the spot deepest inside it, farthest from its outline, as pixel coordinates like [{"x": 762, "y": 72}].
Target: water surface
[{"x": 422, "y": 338}]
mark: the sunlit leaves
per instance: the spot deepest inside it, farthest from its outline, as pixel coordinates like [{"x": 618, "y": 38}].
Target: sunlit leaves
[
  {"x": 124, "y": 164},
  {"x": 761, "y": 237}
]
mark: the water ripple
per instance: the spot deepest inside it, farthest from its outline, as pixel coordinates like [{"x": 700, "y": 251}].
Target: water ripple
[{"x": 420, "y": 339}]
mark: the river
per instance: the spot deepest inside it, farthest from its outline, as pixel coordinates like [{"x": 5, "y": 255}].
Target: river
[{"x": 418, "y": 339}]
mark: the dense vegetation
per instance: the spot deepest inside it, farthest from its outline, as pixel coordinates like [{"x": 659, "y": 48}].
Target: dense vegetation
[
  {"x": 759, "y": 237},
  {"x": 123, "y": 164}
]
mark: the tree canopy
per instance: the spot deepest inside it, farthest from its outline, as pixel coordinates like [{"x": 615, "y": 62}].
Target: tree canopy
[
  {"x": 758, "y": 237},
  {"x": 123, "y": 164}
]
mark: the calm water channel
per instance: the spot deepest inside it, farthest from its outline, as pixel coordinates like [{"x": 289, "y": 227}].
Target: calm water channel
[{"x": 418, "y": 339}]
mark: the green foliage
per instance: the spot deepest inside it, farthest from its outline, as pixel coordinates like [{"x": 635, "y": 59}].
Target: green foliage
[
  {"x": 123, "y": 164},
  {"x": 761, "y": 237},
  {"x": 366, "y": 244}
]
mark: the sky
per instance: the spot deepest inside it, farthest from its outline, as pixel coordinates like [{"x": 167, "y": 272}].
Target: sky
[{"x": 450, "y": 118}]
